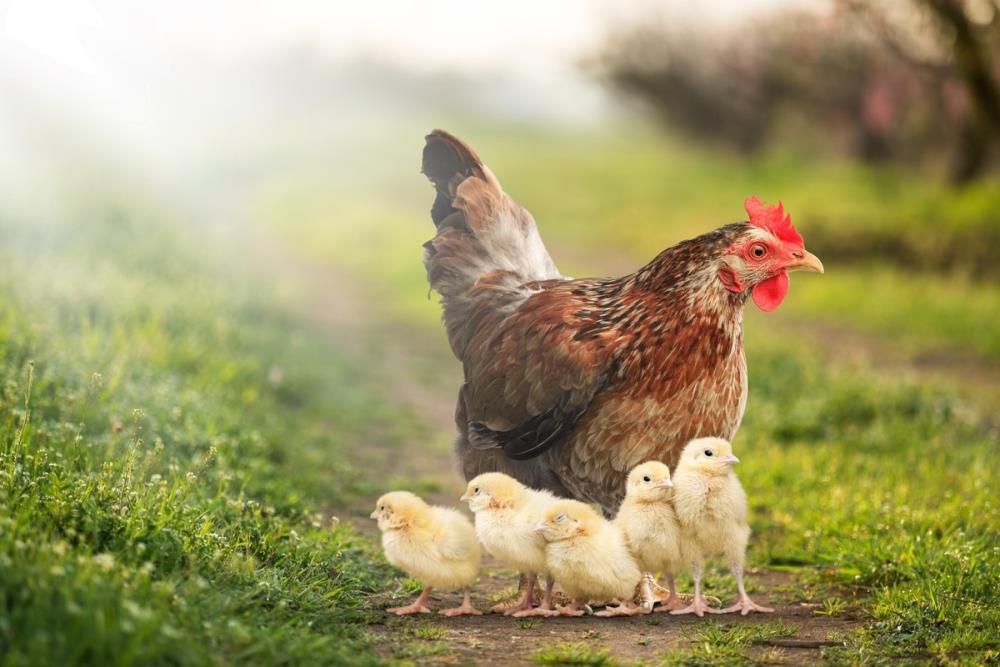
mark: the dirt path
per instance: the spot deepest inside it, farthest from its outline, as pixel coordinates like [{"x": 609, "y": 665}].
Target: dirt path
[{"x": 421, "y": 375}]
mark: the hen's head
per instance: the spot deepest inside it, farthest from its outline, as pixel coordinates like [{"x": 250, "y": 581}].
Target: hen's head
[
  {"x": 565, "y": 519},
  {"x": 761, "y": 258},
  {"x": 649, "y": 482},
  {"x": 493, "y": 490},
  {"x": 397, "y": 510}
]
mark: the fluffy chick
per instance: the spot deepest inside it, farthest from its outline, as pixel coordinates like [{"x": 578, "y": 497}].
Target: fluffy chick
[
  {"x": 506, "y": 515},
  {"x": 711, "y": 508},
  {"x": 647, "y": 520},
  {"x": 587, "y": 555},
  {"x": 435, "y": 545}
]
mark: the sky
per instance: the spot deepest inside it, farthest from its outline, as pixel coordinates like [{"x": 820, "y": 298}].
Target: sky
[{"x": 115, "y": 63}]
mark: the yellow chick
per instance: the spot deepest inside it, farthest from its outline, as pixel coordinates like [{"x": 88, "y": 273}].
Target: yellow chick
[
  {"x": 435, "y": 545},
  {"x": 587, "y": 555},
  {"x": 506, "y": 515},
  {"x": 647, "y": 520},
  {"x": 711, "y": 508}
]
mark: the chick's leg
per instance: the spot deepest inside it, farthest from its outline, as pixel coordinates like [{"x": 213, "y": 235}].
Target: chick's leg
[
  {"x": 744, "y": 604},
  {"x": 699, "y": 606},
  {"x": 577, "y": 607},
  {"x": 465, "y": 609},
  {"x": 419, "y": 605},
  {"x": 545, "y": 609}
]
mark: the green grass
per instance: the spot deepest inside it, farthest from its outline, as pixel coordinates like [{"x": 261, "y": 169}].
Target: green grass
[
  {"x": 170, "y": 444},
  {"x": 575, "y": 653}
]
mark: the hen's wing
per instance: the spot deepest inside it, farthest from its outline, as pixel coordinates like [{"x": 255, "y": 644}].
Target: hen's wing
[{"x": 530, "y": 379}]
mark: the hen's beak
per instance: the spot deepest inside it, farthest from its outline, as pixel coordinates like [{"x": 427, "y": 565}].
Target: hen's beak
[
  {"x": 665, "y": 484},
  {"x": 730, "y": 459},
  {"x": 805, "y": 261},
  {"x": 540, "y": 526},
  {"x": 373, "y": 515}
]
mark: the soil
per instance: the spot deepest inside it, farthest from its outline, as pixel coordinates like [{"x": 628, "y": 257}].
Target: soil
[{"x": 421, "y": 374}]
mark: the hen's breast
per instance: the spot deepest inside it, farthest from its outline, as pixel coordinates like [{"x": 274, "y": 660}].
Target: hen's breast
[{"x": 631, "y": 424}]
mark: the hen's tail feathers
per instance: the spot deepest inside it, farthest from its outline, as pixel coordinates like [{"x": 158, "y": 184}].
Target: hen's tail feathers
[{"x": 487, "y": 256}]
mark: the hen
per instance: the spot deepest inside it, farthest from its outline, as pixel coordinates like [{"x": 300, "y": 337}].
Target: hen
[{"x": 569, "y": 384}]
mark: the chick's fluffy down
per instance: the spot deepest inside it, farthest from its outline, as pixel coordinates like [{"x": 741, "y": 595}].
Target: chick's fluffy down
[
  {"x": 712, "y": 511},
  {"x": 653, "y": 536},
  {"x": 509, "y": 534},
  {"x": 595, "y": 566},
  {"x": 441, "y": 552}
]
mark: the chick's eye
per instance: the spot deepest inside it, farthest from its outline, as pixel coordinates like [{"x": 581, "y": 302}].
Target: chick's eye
[
  {"x": 646, "y": 478},
  {"x": 709, "y": 452},
  {"x": 476, "y": 490},
  {"x": 758, "y": 250}
]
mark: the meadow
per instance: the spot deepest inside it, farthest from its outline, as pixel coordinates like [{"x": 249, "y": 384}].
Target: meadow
[{"x": 178, "y": 433}]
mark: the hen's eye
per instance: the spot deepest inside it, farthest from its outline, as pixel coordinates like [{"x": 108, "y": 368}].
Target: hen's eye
[
  {"x": 646, "y": 478},
  {"x": 709, "y": 452},
  {"x": 758, "y": 251}
]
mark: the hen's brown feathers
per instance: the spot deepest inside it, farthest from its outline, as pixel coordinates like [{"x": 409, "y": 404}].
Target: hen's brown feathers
[{"x": 571, "y": 383}]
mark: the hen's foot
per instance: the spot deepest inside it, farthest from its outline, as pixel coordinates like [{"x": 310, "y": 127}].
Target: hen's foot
[
  {"x": 415, "y": 608},
  {"x": 463, "y": 610},
  {"x": 745, "y": 605}
]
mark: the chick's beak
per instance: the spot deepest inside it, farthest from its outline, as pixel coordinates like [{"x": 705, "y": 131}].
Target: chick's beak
[
  {"x": 540, "y": 526},
  {"x": 730, "y": 459},
  {"x": 373, "y": 515},
  {"x": 465, "y": 498},
  {"x": 805, "y": 261},
  {"x": 665, "y": 484}
]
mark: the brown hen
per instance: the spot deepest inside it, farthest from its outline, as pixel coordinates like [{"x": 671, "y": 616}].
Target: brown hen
[{"x": 569, "y": 384}]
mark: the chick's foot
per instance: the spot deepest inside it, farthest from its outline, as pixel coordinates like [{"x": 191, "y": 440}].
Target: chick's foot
[
  {"x": 623, "y": 609},
  {"x": 745, "y": 605},
  {"x": 415, "y": 608},
  {"x": 575, "y": 608},
  {"x": 463, "y": 610},
  {"x": 698, "y": 607}
]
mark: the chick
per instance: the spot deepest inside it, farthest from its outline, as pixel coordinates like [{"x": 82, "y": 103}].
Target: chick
[
  {"x": 506, "y": 515},
  {"x": 587, "y": 555},
  {"x": 711, "y": 508},
  {"x": 647, "y": 520},
  {"x": 435, "y": 545}
]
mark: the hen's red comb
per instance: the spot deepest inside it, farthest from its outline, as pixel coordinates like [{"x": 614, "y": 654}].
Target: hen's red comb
[{"x": 773, "y": 219}]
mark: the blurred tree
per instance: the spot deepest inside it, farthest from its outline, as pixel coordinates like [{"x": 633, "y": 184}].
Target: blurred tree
[{"x": 908, "y": 80}]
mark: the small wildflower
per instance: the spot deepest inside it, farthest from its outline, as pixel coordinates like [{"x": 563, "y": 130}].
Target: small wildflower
[
  {"x": 191, "y": 478},
  {"x": 105, "y": 561}
]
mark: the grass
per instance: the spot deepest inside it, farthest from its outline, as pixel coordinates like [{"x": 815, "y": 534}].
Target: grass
[
  {"x": 169, "y": 449},
  {"x": 862, "y": 482},
  {"x": 573, "y": 653}
]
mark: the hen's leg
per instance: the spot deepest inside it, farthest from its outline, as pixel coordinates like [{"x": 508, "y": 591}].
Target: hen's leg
[
  {"x": 419, "y": 605},
  {"x": 465, "y": 609},
  {"x": 743, "y": 602},
  {"x": 545, "y": 609},
  {"x": 699, "y": 606}
]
